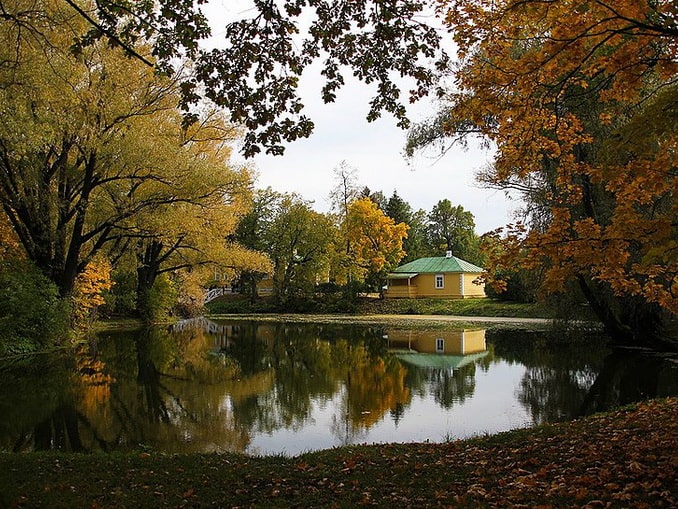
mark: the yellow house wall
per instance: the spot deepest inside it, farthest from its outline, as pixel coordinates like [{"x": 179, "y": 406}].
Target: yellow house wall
[
  {"x": 451, "y": 286},
  {"x": 399, "y": 289},
  {"x": 471, "y": 289},
  {"x": 426, "y": 286},
  {"x": 423, "y": 286},
  {"x": 265, "y": 287}
]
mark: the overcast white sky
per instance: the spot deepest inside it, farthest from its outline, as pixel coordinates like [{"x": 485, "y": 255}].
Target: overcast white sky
[{"x": 373, "y": 149}]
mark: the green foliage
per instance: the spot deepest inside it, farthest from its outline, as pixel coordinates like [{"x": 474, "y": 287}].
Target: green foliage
[
  {"x": 155, "y": 305},
  {"x": 459, "y": 307},
  {"x": 331, "y": 298},
  {"x": 121, "y": 298},
  {"x": 444, "y": 228},
  {"x": 244, "y": 305},
  {"x": 415, "y": 245},
  {"x": 451, "y": 228},
  {"x": 398, "y": 209},
  {"x": 299, "y": 242},
  {"x": 521, "y": 286},
  {"x": 569, "y": 305},
  {"x": 378, "y": 198},
  {"x": 335, "y": 300},
  {"x": 32, "y": 316}
]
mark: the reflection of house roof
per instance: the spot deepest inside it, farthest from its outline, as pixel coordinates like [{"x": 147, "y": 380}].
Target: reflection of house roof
[
  {"x": 437, "y": 264},
  {"x": 432, "y": 360}
]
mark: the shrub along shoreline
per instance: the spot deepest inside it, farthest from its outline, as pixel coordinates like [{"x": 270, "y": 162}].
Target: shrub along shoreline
[{"x": 625, "y": 458}]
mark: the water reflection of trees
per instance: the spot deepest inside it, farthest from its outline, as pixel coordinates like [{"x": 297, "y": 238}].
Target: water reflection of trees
[
  {"x": 626, "y": 377},
  {"x": 145, "y": 398},
  {"x": 466, "y": 351},
  {"x": 192, "y": 391},
  {"x": 371, "y": 390},
  {"x": 38, "y": 408},
  {"x": 302, "y": 373},
  {"x": 447, "y": 386},
  {"x": 569, "y": 376},
  {"x": 559, "y": 370},
  {"x": 162, "y": 406},
  {"x": 315, "y": 365}
]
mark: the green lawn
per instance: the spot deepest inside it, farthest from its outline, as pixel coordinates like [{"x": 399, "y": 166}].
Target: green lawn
[
  {"x": 367, "y": 306},
  {"x": 461, "y": 307}
]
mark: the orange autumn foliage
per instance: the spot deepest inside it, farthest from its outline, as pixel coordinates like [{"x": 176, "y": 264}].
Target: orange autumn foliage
[
  {"x": 92, "y": 383},
  {"x": 90, "y": 286},
  {"x": 10, "y": 247},
  {"x": 375, "y": 389},
  {"x": 579, "y": 96}
]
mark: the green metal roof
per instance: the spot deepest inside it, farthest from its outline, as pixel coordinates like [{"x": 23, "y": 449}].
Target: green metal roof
[
  {"x": 438, "y": 361},
  {"x": 437, "y": 265},
  {"x": 404, "y": 275}
]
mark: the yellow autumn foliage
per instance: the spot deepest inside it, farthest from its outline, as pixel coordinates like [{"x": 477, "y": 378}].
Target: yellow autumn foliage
[{"x": 375, "y": 241}]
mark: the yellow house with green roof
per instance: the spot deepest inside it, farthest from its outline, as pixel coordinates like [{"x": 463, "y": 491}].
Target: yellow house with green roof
[{"x": 445, "y": 277}]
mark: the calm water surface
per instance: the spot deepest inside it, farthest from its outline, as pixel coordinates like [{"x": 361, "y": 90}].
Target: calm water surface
[{"x": 280, "y": 388}]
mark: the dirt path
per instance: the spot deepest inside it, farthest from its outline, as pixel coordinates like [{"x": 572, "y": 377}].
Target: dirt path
[
  {"x": 383, "y": 318},
  {"x": 454, "y": 318}
]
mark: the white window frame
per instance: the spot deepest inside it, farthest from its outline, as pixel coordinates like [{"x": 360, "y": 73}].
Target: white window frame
[
  {"x": 440, "y": 344},
  {"x": 439, "y": 281}
]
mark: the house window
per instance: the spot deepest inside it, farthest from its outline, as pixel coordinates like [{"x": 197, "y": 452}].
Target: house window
[
  {"x": 440, "y": 281},
  {"x": 440, "y": 345}
]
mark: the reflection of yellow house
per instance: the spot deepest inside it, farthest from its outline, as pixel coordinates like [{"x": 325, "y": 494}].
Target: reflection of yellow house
[
  {"x": 438, "y": 349},
  {"x": 443, "y": 277},
  {"x": 458, "y": 342}
]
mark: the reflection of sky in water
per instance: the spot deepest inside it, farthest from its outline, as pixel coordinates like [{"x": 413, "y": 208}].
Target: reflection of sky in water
[{"x": 492, "y": 408}]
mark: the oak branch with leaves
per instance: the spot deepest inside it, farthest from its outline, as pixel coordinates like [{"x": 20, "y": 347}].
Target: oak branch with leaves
[{"x": 255, "y": 70}]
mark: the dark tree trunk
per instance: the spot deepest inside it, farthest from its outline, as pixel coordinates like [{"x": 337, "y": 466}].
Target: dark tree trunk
[
  {"x": 629, "y": 321},
  {"x": 148, "y": 379},
  {"x": 147, "y": 272}
]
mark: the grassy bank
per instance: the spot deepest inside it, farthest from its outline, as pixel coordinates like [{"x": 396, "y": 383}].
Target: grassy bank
[
  {"x": 457, "y": 307},
  {"x": 375, "y": 306},
  {"x": 628, "y": 458}
]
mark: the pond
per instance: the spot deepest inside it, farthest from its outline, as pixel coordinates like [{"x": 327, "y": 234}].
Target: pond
[{"x": 263, "y": 388}]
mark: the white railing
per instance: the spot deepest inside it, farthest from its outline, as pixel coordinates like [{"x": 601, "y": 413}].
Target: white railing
[{"x": 213, "y": 293}]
